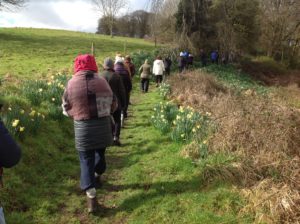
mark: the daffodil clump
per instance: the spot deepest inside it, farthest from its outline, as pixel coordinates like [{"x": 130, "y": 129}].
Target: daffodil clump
[
  {"x": 184, "y": 123},
  {"x": 20, "y": 122},
  {"x": 163, "y": 116},
  {"x": 189, "y": 124},
  {"x": 164, "y": 90},
  {"x": 47, "y": 92}
]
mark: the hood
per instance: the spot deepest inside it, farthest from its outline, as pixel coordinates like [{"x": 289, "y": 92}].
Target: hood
[{"x": 85, "y": 62}]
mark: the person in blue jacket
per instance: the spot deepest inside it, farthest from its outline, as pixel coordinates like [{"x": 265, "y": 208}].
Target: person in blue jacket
[
  {"x": 214, "y": 57},
  {"x": 10, "y": 155}
]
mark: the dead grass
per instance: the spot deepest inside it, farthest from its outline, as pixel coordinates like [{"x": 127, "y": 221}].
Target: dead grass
[{"x": 263, "y": 132}]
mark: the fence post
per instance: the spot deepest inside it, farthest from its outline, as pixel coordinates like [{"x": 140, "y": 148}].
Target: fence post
[{"x": 93, "y": 49}]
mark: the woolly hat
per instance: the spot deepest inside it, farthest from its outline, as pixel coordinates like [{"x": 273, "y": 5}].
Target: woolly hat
[
  {"x": 85, "y": 62},
  {"x": 108, "y": 63},
  {"x": 119, "y": 60}
]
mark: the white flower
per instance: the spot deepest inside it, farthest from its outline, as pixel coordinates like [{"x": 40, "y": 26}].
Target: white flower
[{"x": 40, "y": 90}]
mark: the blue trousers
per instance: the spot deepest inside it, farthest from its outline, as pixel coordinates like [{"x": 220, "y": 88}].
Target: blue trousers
[{"x": 91, "y": 161}]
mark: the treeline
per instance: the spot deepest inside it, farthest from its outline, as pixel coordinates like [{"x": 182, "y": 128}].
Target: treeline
[
  {"x": 135, "y": 24},
  {"x": 234, "y": 27},
  {"x": 260, "y": 27}
]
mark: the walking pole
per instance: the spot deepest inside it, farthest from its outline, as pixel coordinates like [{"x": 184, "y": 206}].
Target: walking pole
[{"x": 93, "y": 49}]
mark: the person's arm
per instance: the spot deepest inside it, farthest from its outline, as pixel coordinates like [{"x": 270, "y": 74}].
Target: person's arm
[
  {"x": 66, "y": 106},
  {"x": 10, "y": 152}
]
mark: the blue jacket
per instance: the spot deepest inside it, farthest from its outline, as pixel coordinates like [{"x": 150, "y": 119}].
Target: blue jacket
[{"x": 10, "y": 152}]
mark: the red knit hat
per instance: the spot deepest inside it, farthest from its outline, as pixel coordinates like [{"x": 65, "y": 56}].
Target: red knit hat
[{"x": 85, "y": 62}]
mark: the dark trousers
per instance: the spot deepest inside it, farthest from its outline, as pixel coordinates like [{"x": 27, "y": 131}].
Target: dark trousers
[
  {"x": 168, "y": 71},
  {"x": 181, "y": 69},
  {"x": 91, "y": 161},
  {"x": 158, "y": 79},
  {"x": 144, "y": 85},
  {"x": 126, "y": 104},
  {"x": 117, "y": 126}
]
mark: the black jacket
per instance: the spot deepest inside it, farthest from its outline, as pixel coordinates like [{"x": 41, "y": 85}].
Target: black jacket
[
  {"x": 10, "y": 152},
  {"x": 116, "y": 85}
]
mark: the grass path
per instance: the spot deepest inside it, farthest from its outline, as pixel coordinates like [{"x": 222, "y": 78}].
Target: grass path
[{"x": 147, "y": 181}]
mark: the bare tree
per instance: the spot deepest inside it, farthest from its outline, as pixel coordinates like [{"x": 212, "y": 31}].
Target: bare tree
[
  {"x": 110, "y": 9},
  {"x": 8, "y": 4}
]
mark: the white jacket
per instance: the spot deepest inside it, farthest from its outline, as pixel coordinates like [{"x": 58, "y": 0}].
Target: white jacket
[{"x": 158, "y": 67}]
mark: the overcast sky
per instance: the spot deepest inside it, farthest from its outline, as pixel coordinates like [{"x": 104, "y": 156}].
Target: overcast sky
[{"x": 78, "y": 15}]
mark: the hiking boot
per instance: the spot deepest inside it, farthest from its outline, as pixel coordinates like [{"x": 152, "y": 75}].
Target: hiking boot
[{"x": 92, "y": 204}]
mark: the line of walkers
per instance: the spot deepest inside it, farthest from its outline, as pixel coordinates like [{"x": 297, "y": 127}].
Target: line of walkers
[
  {"x": 186, "y": 59},
  {"x": 160, "y": 68}
]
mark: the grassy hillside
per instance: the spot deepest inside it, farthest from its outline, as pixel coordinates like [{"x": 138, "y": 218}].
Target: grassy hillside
[{"x": 33, "y": 53}]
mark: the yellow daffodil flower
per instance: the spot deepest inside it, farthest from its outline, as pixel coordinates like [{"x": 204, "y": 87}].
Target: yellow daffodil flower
[{"x": 15, "y": 123}]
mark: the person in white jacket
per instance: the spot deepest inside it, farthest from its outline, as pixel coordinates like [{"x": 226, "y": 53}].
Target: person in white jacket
[{"x": 158, "y": 70}]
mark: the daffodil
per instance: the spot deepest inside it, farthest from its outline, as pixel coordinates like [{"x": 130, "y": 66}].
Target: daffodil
[
  {"x": 53, "y": 99},
  {"x": 194, "y": 130},
  {"x": 205, "y": 142},
  {"x": 49, "y": 83},
  {"x": 152, "y": 117},
  {"x": 22, "y": 111},
  {"x": 154, "y": 109},
  {"x": 178, "y": 117},
  {"x": 15, "y": 123},
  {"x": 174, "y": 122},
  {"x": 182, "y": 135},
  {"x": 32, "y": 113},
  {"x": 198, "y": 126},
  {"x": 40, "y": 90},
  {"x": 208, "y": 114},
  {"x": 22, "y": 129},
  {"x": 9, "y": 109},
  {"x": 52, "y": 77}
]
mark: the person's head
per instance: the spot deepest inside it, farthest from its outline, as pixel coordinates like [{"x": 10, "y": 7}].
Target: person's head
[
  {"x": 146, "y": 61},
  {"x": 128, "y": 58},
  {"x": 119, "y": 60},
  {"x": 108, "y": 64},
  {"x": 85, "y": 62},
  {"x": 158, "y": 57}
]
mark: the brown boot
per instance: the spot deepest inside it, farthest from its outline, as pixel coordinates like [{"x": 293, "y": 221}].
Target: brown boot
[{"x": 92, "y": 204}]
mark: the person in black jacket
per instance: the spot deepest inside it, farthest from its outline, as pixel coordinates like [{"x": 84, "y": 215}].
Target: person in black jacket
[
  {"x": 10, "y": 155},
  {"x": 121, "y": 70},
  {"x": 117, "y": 86}
]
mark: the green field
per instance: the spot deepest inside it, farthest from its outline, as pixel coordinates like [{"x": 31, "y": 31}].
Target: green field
[
  {"x": 35, "y": 53},
  {"x": 147, "y": 181}
]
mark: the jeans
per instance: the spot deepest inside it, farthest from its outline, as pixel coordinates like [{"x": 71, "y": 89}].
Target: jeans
[
  {"x": 117, "y": 126},
  {"x": 90, "y": 162},
  {"x": 144, "y": 85},
  {"x": 2, "y": 220},
  {"x": 158, "y": 79}
]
